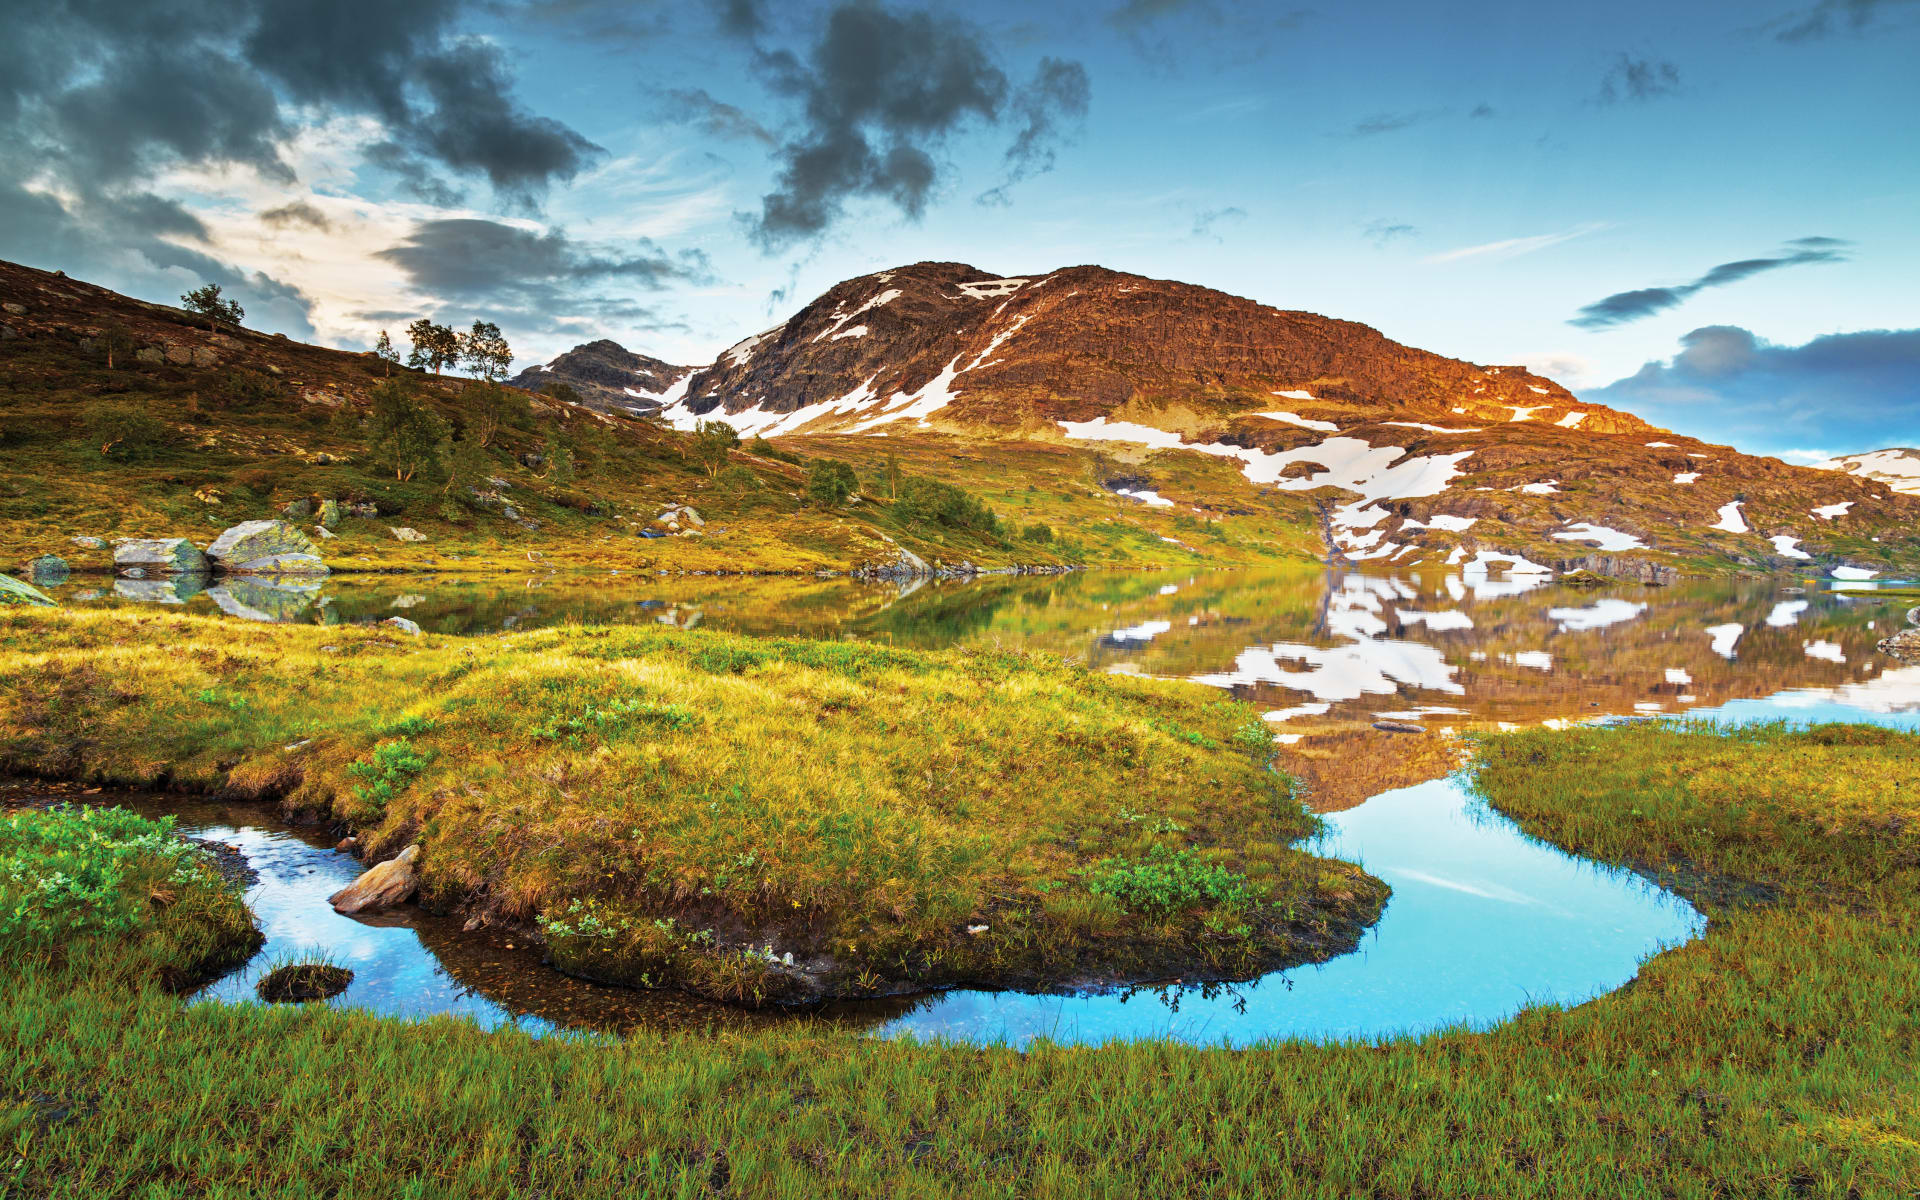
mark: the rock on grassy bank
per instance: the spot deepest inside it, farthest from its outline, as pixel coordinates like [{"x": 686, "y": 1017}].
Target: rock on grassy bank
[{"x": 756, "y": 820}]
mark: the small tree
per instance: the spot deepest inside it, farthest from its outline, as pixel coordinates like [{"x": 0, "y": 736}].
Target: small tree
[
  {"x": 712, "y": 442},
  {"x": 115, "y": 342},
  {"x": 830, "y": 482},
  {"x": 207, "y": 302},
  {"x": 484, "y": 352},
  {"x": 893, "y": 476},
  {"x": 434, "y": 346},
  {"x": 561, "y": 392},
  {"x": 468, "y": 464},
  {"x": 488, "y": 408},
  {"x": 384, "y": 351},
  {"x": 558, "y": 452},
  {"x": 403, "y": 434}
]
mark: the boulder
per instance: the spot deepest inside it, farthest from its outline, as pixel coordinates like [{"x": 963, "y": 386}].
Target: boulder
[
  {"x": 158, "y": 556},
  {"x": 384, "y": 886},
  {"x": 13, "y": 592},
  {"x": 297, "y": 510},
  {"x": 323, "y": 533},
  {"x": 1904, "y": 645},
  {"x": 89, "y": 543},
  {"x": 329, "y": 513},
  {"x": 266, "y": 548},
  {"x": 407, "y": 533},
  {"x": 403, "y": 625},
  {"x": 49, "y": 569}
]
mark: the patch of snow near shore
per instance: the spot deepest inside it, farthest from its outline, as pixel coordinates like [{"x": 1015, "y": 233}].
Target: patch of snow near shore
[
  {"x": 1302, "y": 422},
  {"x": 1597, "y": 615},
  {"x": 1786, "y": 613},
  {"x": 1539, "y": 660},
  {"x": 1298, "y": 710},
  {"x": 1785, "y": 546},
  {"x": 1853, "y": 573},
  {"x": 1686, "y": 477},
  {"x": 1437, "y": 621},
  {"x": 1725, "y": 638},
  {"x": 1730, "y": 519},
  {"x": 1375, "y": 472},
  {"x": 1602, "y": 537},
  {"x": 1451, "y": 524},
  {"x": 1295, "y": 394},
  {"x": 1678, "y": 676},
  {"x": 1431, "y": 428},
  {"x": 1825, "y": 651},
  {"x": 1661, "y": 446},
  {"x": 1537, "y": 489},
  {"x": 1830, "y": 512},
  {"x": 1146, "y": 496},
  {"x": 1511, "y": 563}
]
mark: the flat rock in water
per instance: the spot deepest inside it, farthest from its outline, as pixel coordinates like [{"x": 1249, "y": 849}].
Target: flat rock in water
[
  {"x": 12, "y": 592},
  {"x": 266, "y": 548},
  {"x": 384, "y": 886},
  {"x": 48, "y": 569},
  {"x": 159, "y": 556},
  {"x": 1399, "y": 727}
]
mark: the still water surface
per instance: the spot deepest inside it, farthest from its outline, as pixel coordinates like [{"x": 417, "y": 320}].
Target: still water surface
[{"x": 1483, "y": 920}]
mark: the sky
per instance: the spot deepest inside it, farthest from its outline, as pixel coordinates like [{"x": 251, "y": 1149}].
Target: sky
[{"x": 1701, "y": 212}]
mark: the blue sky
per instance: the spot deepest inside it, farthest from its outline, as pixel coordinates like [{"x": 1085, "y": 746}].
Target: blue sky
[{"x": 1590, "y": 190}]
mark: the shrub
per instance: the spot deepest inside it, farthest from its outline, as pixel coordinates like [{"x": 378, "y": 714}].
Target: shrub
[
  {"x": 930, "y": 502},
  {"x": 391, "y": 767},
  {"x": 713, "y": 441},
  {"x": 762, "y": 448},
  {"x": 404, "y": 435},
  {"x": 1037, "y": 532},
  {"x": 126, "y": 431},
  {"x": 830, "y": 482},
  {"x": 66, "y": 871},
  {"x": 1168, "y": 881},
  {"x": 242, "y": 389}
]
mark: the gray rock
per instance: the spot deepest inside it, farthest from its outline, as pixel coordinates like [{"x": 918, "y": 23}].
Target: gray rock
[
  {"x": 323, "y": 533},
  {"x": 329, "y": 513},
  {"x": 13, "y": 592},
  {"x": 297, "y": 510},
  {"x": 158, "y": 556},
  {"x": 403, "y": 625},
  {"x": 49, "y": 569},
  {"x": 1904, "y": 645},
  {"x": 266, "y": 548},
  {"x": 407, "y": 533},
  {"x": 18, "y": 310},
  {"x": 89, "y": 543}
]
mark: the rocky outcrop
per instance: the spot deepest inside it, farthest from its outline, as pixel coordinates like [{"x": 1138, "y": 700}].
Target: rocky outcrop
[
  {"x": 139, "y": 558},
  {"x": 392, "y": 882},
  {"x": 266, "y": 548},
  {"x": 14, "y": 592},
  {"x": 1633, "y": 570},
  {"x": 1905, "y": 645}
]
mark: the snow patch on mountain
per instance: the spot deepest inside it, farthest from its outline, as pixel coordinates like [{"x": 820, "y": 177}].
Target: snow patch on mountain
[
  {"x": 1730, "y": 519},
  {"x": 1788, "y": 547},
  {"x": 1898, "y": 468},
  {"x": 1294, "y": 419},
  {"x": 1602, "y": 537}
]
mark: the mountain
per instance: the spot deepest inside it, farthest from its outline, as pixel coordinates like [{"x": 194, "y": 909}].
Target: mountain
[
  {"x": 1179, "y": 397},
  {"x": 1898, "y": 468},
  {"x": 608, "y": 377}
]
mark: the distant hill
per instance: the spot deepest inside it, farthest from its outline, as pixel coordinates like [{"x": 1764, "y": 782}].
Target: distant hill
[
  {"x": 608, "y": 377},
  {"x": 1205, "y": 403}
]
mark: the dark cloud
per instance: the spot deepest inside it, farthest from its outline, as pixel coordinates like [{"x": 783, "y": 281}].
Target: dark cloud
[
  {"x": 741, "y": 18},
  {"x": 1832, "y": 16},
  {"x": 1622, "y": 307},
  {"x": 1236, "y": 30},
  {"x": 297, "y": 213},
  {"x": 1639, "y": 79},
  {"x": 1059, "y": 92},
  {"x": 880, "y": 93},
  {"x": 1841, "y": 393},
  {"x": 1382, "y": 232},
  {"x": 1205, "y": 223},
  {"x": 513, "y": 275},
  {"x": 1389, "y": 122},
  {"x": 716, "y": 118},
  {"x": 106, "y": 93}
]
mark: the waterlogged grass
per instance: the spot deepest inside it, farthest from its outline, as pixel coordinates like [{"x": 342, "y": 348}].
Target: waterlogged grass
[
  {"x": 758, "y": 820},
  {"x": 1773, "y": 1058}
]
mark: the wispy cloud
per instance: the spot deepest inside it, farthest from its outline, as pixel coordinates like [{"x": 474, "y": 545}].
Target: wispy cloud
[
  {"x": 1623, "y": 307},
  {"x": 1382, "y": 232},
  {"x": 1390, "y": 122},
  {"x": 1639, "y": 79},
  {"x": 1515, "y": 247},
  {"x": 1205, "y": 223}
]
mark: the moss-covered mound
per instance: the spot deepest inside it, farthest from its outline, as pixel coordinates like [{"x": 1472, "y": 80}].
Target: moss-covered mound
[{"x": 756, "y": 820}]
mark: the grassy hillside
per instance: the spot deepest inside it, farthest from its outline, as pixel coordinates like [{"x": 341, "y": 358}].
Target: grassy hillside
[{"x": 189, "y": 431}]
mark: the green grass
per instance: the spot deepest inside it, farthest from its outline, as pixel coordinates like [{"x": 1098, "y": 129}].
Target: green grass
[
  {"x": 751, "y": 819},
  {"x": 1773, "y": 1058}
]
